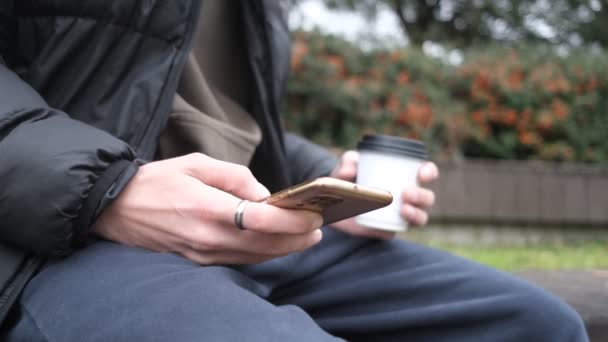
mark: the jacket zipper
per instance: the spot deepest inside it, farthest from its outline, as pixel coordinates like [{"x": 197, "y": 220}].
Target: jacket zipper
[{"x": 146, "y": 145}]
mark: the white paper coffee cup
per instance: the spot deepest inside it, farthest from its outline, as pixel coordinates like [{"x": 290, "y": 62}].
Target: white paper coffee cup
[{"x": 392, "y": 164}]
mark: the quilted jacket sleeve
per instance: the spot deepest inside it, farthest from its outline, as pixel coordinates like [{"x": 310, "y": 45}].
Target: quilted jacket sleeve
[
  {"x": 56, "y": 174},
  {"x": 307, "y": 160}
]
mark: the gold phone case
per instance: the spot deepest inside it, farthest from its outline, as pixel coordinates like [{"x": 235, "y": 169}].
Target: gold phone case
[{"x": 333, "y": 198}]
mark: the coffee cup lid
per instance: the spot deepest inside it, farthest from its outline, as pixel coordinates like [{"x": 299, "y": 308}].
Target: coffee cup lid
[{"x": 394, "y": 145}]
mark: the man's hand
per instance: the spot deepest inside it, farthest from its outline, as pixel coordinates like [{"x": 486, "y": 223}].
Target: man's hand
[
  {"x": 416, "y": 200},
  {"x": 186, "y": 205}
]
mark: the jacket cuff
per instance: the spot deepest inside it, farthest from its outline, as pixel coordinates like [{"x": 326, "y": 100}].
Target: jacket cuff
[{"x": 107, "y": 187}]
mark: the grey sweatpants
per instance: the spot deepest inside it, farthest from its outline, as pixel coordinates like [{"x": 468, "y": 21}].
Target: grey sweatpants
[{"x": 345, "y": 287}]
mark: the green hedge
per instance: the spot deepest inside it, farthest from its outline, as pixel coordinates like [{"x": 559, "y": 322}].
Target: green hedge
[{"x": 509, "y": 103}]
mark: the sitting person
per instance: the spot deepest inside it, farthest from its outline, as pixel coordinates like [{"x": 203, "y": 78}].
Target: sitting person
[{"x": 98, "y": 245}]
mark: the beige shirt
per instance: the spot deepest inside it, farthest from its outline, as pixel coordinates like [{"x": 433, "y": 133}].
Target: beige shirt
[{"x": 208, "y": 113}]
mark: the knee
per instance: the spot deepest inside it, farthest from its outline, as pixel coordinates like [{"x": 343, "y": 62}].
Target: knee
[{"x": 540, "y": 316}]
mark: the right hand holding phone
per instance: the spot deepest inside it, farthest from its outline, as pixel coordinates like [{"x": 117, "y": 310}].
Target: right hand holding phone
[{"x": 186, "y": 205}]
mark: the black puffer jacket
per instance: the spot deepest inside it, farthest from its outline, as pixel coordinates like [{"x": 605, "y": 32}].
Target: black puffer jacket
[{"x": 85, "y": 91}]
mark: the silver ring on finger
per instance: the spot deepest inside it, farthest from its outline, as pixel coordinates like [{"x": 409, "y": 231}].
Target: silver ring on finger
[{"x": 238, "y": 214}]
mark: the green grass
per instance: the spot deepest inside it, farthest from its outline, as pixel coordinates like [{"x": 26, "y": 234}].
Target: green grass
[{"x": 587, "y": 255}]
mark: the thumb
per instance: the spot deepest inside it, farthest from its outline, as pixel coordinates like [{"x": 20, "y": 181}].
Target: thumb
[
  {"x": 232, "y": 178},
  {"x": 347, "y": 169}
]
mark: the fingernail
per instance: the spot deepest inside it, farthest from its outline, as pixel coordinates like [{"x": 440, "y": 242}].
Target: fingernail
[
  {"x": 319, "y": 235},
  {"x": 262, "y": 191}
]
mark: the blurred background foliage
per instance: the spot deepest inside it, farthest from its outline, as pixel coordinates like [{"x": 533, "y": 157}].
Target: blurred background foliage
[
  {"x": 464, "y": 23},
  {"x": 495, "y": 79},
  {"x": 523, "y": 100}
]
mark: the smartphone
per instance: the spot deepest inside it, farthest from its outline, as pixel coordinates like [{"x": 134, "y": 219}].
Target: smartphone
[{"x": 333, "y": 198}]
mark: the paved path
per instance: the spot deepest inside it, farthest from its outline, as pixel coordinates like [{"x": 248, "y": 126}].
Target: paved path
[{"x": 586, "y": 291}]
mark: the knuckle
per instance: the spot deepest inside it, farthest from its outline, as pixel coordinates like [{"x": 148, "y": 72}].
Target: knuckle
[
  {"x": 241, "y": 177},
  {"x": 207, "y": 212},
  {"x": 196, "y": 157},
  {"x": 195, "y": 161},
  {"x": 204, "y": 244},
  {"x": 243, "y": 172}
]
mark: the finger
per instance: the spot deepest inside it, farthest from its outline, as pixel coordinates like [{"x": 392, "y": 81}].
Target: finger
[
  {"x": 266, "y": 218},
  {"x": 218, "y": 208},
  {"x": 414, "y": 215},
  {"x": 232, "y": 178},
  {"x": 225, "y": 258},
  {"x": 225, "y": 238},
  {"x": 428, "y": 172},
  {"x": 269, "y": 230},
  {"x": 350, "y": 226},
  {"x": 275, "y": 244},
  {"x": 259, "y": 217},
  {"x": 347, "y": 170},
  {"x": 419, "y": 197}
]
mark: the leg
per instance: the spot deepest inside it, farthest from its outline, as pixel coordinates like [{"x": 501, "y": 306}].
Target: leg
[
  {"x": 109, "y": 292},
  {"x": 397, "y": 291}
]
